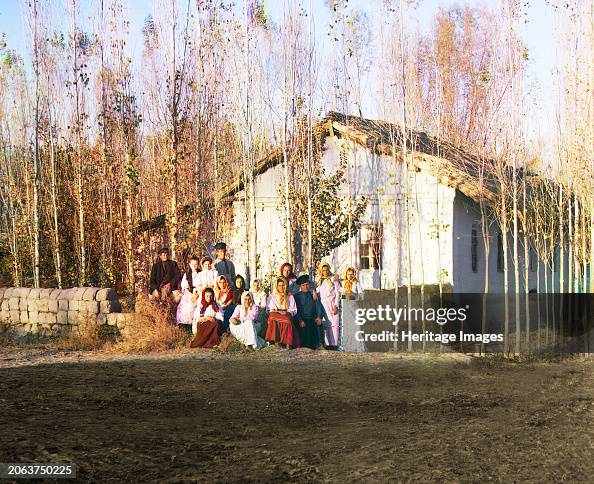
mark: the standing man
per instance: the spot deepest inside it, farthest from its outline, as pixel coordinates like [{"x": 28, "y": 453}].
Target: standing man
[
  {"x": 165, "y": 278},
  {"x": 224, "y": 266},
  {"x": 309, "y": 315}
]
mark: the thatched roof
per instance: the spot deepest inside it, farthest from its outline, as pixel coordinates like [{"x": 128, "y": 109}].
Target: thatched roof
[{"x": 451, "y": 165}]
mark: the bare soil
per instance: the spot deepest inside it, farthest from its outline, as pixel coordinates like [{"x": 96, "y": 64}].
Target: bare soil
[{"x": 277, "y": 415}]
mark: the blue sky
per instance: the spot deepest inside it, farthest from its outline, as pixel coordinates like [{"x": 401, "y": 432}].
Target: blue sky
[{"x": 538, "y": 35}]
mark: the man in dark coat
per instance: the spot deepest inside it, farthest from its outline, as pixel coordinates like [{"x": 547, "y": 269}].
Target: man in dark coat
[
  {"x": 223, "y": 265},
  {"x": 165, "y": 278},
  {"x": 309, "y": 315}
]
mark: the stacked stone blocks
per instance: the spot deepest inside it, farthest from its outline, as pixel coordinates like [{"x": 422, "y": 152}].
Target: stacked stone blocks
[{"x": 54, "y": 311}]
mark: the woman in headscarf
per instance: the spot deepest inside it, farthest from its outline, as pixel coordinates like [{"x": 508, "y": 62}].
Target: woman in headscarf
[
  {"x": 190, "y": 294},
  {"x": 283, "y": 309},
  {"x": 224, "y": 296},
  {"x": 329, "y": 292},
  {"x": 286, "y": 271},
  {"x": 207, "y": 321},
  {"x": 239, "y": 289},
  {"x": 259, "y": 297},
  {"x": 258, "y": 294},
  {"x": 243, "y": 322},
  {"x": 351, "y": 289}
]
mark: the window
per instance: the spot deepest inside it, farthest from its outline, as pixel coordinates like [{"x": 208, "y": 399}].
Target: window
[
  {"x": 499, "y": 253},
  {"x": 370, "y": 248},
  {"x": 474, "y": 250}
]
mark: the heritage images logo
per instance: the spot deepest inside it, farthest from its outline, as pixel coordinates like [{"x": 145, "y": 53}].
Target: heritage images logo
[{"x": 386, "y": 312}]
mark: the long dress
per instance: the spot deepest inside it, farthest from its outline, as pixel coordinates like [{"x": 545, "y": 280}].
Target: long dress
[
  {"x": 208, "y": 333},
  {"x": 280, "y": 325},
  {"x": 259, "y": 299},
  {"x": 186, "y": 307},
  {"x": 330, "y": 296},
  {"x": 245, "y": 332}
]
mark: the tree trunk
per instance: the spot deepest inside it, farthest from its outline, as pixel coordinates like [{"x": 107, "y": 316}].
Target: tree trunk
[
  {"x": 82, "y": 280},
  {"x": 53, "y": 183},
  {"x": 591, "y": 245},
  {"x": 505, "y": 276},
  {"x": 173, "y": 203},
  {"x": 36, "y": 164},
  {"x": 130, "y": 231}
]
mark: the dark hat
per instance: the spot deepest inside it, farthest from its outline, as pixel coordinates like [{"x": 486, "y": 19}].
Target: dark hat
[
  {"x": 221, "y": 245},
  {"x": 302, "y": 279},
  {"x": 163, "y": 250}
]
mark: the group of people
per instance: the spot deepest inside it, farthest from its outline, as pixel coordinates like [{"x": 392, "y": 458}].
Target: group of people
[{"x": 212, "y": 300}]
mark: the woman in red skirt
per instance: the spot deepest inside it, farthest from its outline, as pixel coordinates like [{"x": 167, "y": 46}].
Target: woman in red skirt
[
  {"x": 207, "y": 322},
  {"x": 282, "y": 308}
]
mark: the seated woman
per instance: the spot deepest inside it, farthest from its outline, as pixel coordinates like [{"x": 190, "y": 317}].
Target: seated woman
[
  {"x": 224, "y": 296},
  {"x": 243, "y": 322},
  {"x": 351, "y": 289},
  {"x": 282, "y": 308},
  {"x": 259, "y": 297},
  {"x": 239, "y": 289},
  {"x": 190, "y": 294},
  {"x": 207, "y": 322}
]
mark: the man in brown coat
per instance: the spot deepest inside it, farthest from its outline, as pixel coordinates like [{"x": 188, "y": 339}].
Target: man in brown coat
[{"x": 165, "y": 278}]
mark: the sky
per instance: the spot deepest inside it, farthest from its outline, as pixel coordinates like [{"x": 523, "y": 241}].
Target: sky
[{"x": 538, "y": 34}]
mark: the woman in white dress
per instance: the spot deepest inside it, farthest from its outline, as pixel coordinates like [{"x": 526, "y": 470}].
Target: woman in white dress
[
  {"x": 329, "y": 291},
  {"x": 207, "y": 277},
  {"x": 243, "y": 322},
  {"x": 259, "y": 297},
  {"x": 351, "y": 289},
  {"x": 190, "y": 294},
  {"x": 258, "y": 294}
]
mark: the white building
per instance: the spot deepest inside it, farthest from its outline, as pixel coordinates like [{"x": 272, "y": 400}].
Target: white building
[{"x": 428, "y": 214}]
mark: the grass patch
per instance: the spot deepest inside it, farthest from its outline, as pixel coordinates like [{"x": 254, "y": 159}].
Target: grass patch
[{"x": 151, "y": 328}]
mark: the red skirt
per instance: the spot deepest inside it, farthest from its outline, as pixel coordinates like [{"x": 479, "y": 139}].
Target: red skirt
[
  {"x": 281, "y": 330},
  {"x": 207, "y": 335}
]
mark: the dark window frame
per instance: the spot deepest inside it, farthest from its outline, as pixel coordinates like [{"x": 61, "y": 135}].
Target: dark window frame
[{"x": 500, "y": 257}]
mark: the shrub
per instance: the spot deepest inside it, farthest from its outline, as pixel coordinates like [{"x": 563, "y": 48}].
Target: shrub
[{"x": 151, "y": 328}]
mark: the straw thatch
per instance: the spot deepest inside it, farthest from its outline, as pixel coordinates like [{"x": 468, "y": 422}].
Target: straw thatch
[{"x": 451, "y": 165}]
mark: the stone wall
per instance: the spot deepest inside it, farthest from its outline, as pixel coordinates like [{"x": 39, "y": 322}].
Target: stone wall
[{"x": 51, "y": 312}]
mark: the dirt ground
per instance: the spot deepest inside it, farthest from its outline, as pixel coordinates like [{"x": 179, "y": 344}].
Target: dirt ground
[{"x": 274, "y": 416}]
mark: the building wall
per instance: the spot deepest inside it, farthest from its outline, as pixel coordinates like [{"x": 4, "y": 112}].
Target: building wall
[
  {"x": 386, "y": 184},
  {"x": 270, "y": 235},
  {"x": 398, "y": 200},
  {"x": 466, "y": 216},
  {"x": 412, "y": 209}
]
